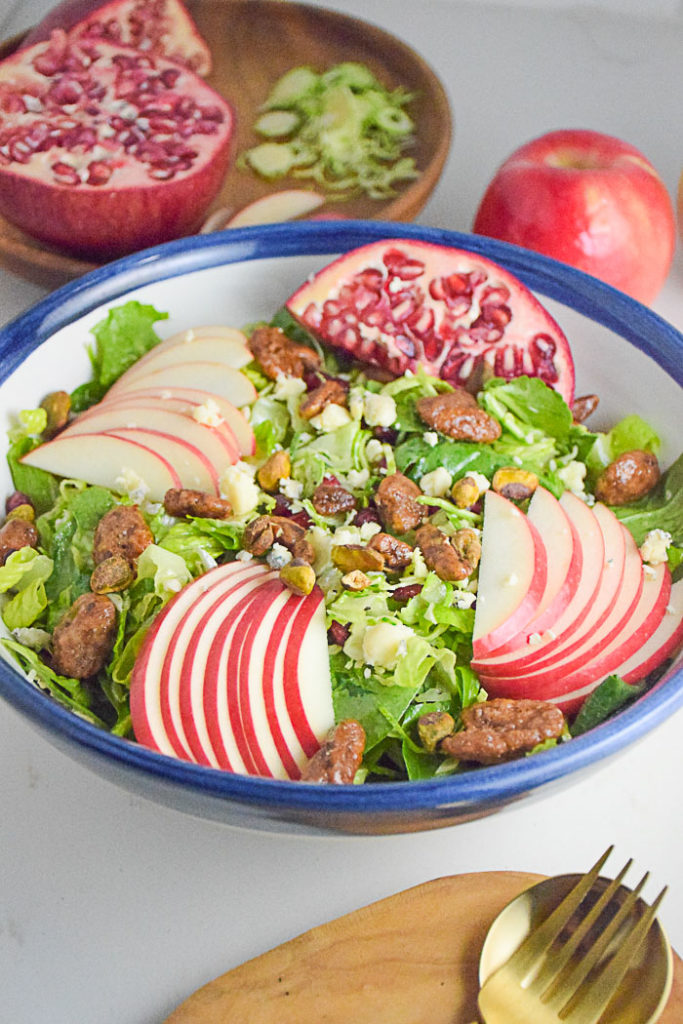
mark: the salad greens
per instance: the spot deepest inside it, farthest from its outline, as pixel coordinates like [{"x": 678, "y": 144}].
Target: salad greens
[{"x": 425, "y": 623}]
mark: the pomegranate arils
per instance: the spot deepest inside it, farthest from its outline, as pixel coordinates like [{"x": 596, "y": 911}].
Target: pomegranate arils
[
  {"x": 114, "y": 121},
  {"x": 401, "y": 304},
  {"x": 161, "y": 28}
]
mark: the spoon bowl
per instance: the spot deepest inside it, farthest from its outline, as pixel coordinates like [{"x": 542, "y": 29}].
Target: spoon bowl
[{"x": 645, "y": 989}]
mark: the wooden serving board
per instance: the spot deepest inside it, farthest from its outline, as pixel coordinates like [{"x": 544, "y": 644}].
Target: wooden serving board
[{"x": 410, "y": 959}]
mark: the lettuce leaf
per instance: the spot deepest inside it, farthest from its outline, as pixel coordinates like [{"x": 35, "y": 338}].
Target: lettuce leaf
[
  {"x": 125, "y": 335},
  {"x": 609, "y": 697},
  {"x": 71, "y": 693},
  {"x": 24, "y": 572}
]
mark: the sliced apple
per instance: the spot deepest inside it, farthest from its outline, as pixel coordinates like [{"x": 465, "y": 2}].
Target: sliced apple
[
  {"x": 199, "y": 349},
  {"x": 564, "y": 556},
  {"x": 235, "y": 674},
  {"x": 191, "y": 334},
  {"x": 512, "y": 575},
  {"x": 215, "y": 378},
  {"x": 602, "y": 542},
  {"x": 194, "y": 469},
  {"x": 188, "y": 401},
  {"x": 107, "y": 461},
  {"x": 155, "y": 699},
  {"x": 554, "y": 676},
  {"x": 277, "y": 206},
  {"x": 220, "y": 446}
]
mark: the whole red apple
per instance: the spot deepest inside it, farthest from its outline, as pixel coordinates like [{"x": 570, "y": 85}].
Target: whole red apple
[{"x": 589, "y": 200}]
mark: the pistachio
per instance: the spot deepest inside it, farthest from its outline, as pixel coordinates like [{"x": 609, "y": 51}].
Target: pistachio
[
  {"x": 348, "y": 557},
  {"x": 468, "y": 546},
  {"x": 298, "y": 576},
  {"x": 465, "y": 492},
  {"x": 57, "y": 405},
  {"x": 276, "y": 468},
  {"x": 514, "y": 483},
  {"x": 434, "y": 727},
  {"x": 355, "y": 580},
  {"x": 111, "y": 575},
  {"x": 25, "y": 511}
]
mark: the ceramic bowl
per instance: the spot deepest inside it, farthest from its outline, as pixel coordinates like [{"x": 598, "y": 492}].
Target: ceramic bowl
[{"x": 623, "y": 352}]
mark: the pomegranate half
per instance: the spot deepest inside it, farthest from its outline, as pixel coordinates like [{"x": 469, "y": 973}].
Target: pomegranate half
[
  {"x": 105, "y": 150},
  {"x": 162, "y": 28},
  {"x": 401, "y": 303}
]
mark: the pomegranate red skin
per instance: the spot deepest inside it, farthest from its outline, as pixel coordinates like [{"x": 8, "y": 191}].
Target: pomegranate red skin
[
  {"x": 108, "y": 220},
  {"x": 161, "y": 27},
  {"x": 589, "y": 200},
  {"x": 402, "y": 304}
]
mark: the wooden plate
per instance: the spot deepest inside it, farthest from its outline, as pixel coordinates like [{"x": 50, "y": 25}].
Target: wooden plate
[
  {"x": 253, "y": 43},
  {"x": 409, "y": 959}
]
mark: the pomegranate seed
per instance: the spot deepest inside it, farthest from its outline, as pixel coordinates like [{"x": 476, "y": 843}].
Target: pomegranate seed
[{"x": 65, "y": 174}]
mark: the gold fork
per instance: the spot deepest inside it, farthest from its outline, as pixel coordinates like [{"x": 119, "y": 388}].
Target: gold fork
[{"x": 555, "y": 979}]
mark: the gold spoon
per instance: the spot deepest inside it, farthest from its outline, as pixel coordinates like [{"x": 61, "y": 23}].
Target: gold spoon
[{"x": 644, "y": 990}]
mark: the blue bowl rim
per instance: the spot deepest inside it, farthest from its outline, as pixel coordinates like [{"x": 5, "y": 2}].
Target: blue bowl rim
[{"x": 480, "y": 788}]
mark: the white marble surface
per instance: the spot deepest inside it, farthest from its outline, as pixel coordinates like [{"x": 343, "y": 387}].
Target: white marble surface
[{"x": 112, "y": 909}]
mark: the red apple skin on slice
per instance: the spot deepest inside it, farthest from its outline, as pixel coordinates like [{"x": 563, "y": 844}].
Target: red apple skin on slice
[
  {"x": 663, "y": 644},
  {"x": 602, "y": 543},
  {"x": 104, "y": 460},
  {"x": 512, "y": 575},
  {"x": 291, "y": 692},
  {"x": 192, "y": 467},
  {"x": 204, "y": 350},
  {"x": 155, "y": 713},
  {"x": 184, "y": 666},
  {"x": 186, "y": 401},
  {"x": 219, "y": 447},
  {"x": 555, "y": 676},
  {"x": 212, "y": 377},
  {"x": 564, "y": 564},
  {"x": 306, "y": 674},
  {"x": 637, "y": 631}
]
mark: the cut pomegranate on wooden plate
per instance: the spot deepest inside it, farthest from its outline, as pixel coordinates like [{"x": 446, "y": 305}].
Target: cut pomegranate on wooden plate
[
  {"x": 304, "y": 34},
  {"x": 104, "y": 149},
  {"x": 400, "y": 304},
  {"x": 161, "y": 28}
]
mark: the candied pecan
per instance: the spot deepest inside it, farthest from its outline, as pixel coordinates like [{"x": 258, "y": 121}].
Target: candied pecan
[
  {"x": 258, "y": 536},
  {"x": 339, "y": 757},
  {"x": 440, "y": 555},
  {"x": 457, "y": 414},
  {"x": 121, "y": 531},
  {"x": 397, "y": 553},
  {"x": 583, "y": 407},
  {"x": 15, "y": 534},
  {"x": 186, "y": 502},
  {"x": 501, "y": 729},
  {"x": 277, "y": 467},
  {"x": 262, "y": 532},
  {"x": 398, "y": 509},
  {"x": 276, "y": 353},
  {"x": 329, "y": 499},
  {"x": 84, "y": 637},
  {"x": 434, "y": 727},
  {"x": 348, "y": 557},
  {"x": 330, "y": 392},
  {"x": 628, "y": 478}
]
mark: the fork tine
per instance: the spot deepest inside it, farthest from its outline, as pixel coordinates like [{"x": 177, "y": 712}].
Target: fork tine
[
  {"x": 549, "y": 974},
  {"x": 598, "y": 993},
  {"x": 538, "y": 941}
]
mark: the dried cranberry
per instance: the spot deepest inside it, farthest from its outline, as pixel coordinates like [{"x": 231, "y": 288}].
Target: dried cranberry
[{"x": 338, "y": 634}]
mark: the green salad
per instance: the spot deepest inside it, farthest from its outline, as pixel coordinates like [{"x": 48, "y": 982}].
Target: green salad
[{"x": 400, "y": 644}]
